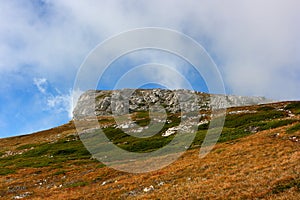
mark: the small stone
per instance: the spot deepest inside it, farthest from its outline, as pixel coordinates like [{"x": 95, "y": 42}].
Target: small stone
[
  {"x": 149, "y": 189},
  {"x": 161, "y": 183},
  {"x": 21, "y": 196},
  {"x": 294, "y": 139},
  {"x": 276, "y": 134}
]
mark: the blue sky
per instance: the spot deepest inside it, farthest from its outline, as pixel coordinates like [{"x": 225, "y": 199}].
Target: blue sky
[{"x": 255, "y": 45}]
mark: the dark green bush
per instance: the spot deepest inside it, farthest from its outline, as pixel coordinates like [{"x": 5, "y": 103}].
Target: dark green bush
[
  {"x": 274, "y": 124},
  {"x": 76, "y": 184},
  {"x": 265, "y": 108},
  {"x": 60, "y": 172},
  {"x": 233, "y": 121},
  {"x": 286, "y": 186}
]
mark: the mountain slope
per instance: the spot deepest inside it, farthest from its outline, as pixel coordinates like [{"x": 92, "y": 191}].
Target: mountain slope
[{"x": 257, "y": 157}]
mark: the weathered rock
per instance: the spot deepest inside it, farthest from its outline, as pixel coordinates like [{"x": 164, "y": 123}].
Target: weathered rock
[
  {"x": 148, "y": 189},
  {"x": 21, "y": 196},
  {"x": 119, "y": 102}
]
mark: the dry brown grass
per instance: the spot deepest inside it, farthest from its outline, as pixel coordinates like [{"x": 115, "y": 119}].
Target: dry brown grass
[
  {"x": 253, "y": 167},
  {"x": 52, "y": 134}
]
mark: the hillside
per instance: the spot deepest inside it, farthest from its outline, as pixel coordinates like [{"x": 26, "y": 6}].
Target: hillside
[{"x": 257, "y": 157}]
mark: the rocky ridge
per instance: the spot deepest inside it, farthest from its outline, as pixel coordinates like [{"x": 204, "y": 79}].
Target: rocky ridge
[{"x": 108, "y": 102}]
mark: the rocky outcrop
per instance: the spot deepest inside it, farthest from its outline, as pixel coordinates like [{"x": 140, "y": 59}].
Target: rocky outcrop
[{"x": 108, "y": 102}]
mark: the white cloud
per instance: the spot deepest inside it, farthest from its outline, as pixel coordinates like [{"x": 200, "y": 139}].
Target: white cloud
[
  {"x": 255, "y": 43},
  {"x": 59, "y": 103},
  {"x": 41, "y": 84},
  {"x": 52, "y": 99},
  {"x": 64, "y": 102}
]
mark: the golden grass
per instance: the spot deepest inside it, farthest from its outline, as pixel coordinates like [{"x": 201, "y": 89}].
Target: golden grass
[
  {"x": 253, "y": 167},
  {"x": 248, "y": 169}
]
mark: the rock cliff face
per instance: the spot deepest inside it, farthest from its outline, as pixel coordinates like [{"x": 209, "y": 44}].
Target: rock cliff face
[{"x": 108, "y": 102}]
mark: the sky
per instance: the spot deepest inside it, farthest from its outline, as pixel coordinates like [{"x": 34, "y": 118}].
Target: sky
[{"x": 255, "y": 45}]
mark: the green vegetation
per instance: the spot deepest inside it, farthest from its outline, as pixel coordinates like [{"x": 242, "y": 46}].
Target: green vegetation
[
  {"x": 101, "y": 166},
  {"x": 286, "y": 186},
  {"x": 237, "y": 126},
  {"x": 200, "y": 135},
  {"x": 229, "y": 134},
  {"x": 5, "y": 171},
  {"x": 265, "y": 108},
  {"x": 135, "y": 144},
  {"x": 203, "y": 126},
  {"x": 60, "y": 172},
  {"x": 294, "y": 107},
  {"x": 71, "y": 149},
  {"x": 293, "y": 129},
  {"x": 62, "y": 148},
  {"x": 105, "y": 120},
  {"x": 234, "y": 121},
  {"x": 76, "y": 184},
  {"x": 142, "y": 118},
  {"x": 274, "y": 124},
  {"x": 240, "y": 125},
  {"x": 45, "y": 154}
]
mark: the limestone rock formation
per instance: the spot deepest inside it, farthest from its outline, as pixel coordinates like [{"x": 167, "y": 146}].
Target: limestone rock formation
[{"x": 108, "y": 102}]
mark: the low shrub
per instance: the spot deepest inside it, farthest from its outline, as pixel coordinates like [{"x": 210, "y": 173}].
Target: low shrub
[
  {"x": 6, "y": 171},
  {"x": 265, "y": 108},
  {"x": 294, "y": 107},
  {"x": 293, "y": 129},
  {"x": 76, "y": 184},
  {"x": 233, "y": 121},
  {"x": 286, "y": 186}
]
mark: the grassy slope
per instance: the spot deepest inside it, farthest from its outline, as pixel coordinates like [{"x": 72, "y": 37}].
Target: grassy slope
[{"x": 54, "y": 164}]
